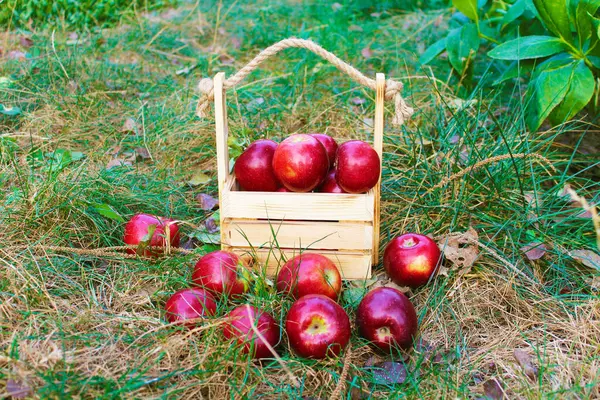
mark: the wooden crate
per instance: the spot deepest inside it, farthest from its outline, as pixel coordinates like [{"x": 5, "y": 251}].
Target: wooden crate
[{"x": 275, "y": 226}]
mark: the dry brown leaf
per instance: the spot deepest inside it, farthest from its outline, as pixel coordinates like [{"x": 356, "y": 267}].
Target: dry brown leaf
[
  {"x": 367, "y": 52},
  {"x": 206, "y": 201},
  {"x": 17, "y": 390},
  {"x": 493, "y": 389},
  {"x": 461, "y": 249},
  {"x": 526, "y": 363},
  {"x": 25, "y": 41},
  {"x": 588, "y": 258},
  {"x": 130, "y": 126},
  {"x": 534, "y": 250},
  {"x": 118, "y": 162},
  {"x": 199, "y": 178},
  {"x": 226, "y": 59},
  {"x": 143, "y": 153}
]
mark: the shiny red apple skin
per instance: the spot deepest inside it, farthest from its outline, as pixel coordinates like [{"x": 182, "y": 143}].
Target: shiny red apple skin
[
  {"x": 330, "y": 184},
  {"x": 358, "y": 166},
  {"x": 411, "y": 259},
  {"x": 317, "y": 327},
  {"x": 387, "y": 318},
  {"x": 222, "y": 273},
  {"x": 137, "y": 227},
  {"x": 283, "y": 189},
  {"x": 188, "y": 304},
  {"x": 300, "y": 163},
  {"x": 239, "y": 327},
  {"x": 330, "y": 145},
  {"x": 254, "y": 167},
  {"x": 310, "y": 273}
]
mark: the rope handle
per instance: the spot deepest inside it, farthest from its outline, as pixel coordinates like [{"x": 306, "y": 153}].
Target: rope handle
[{"x": 392, "y": 88}]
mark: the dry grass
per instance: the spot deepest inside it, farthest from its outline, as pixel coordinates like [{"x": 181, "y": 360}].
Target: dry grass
[{"x": 77, "y": 326}]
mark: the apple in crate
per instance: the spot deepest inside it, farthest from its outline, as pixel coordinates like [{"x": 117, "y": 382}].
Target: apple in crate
[
  {"x": 140, "y": 226},
  {"x": 254, "y": 167},
  {"x": 310, "y": 273},
  {"x": 189, "y": 306},
  {"x": 387, "y": 318},
  {"x": 239, "y": 328},
  {"x": 300, "y": 163},
  {"x": 358, "y": 166},
  {"x": 317, "y": 327},
  {"x": 411, "y": 259},
  {"x": 330, "y": 184},
  {"x": 330, "y": 145},
  {"x": 222, "y": 273}
]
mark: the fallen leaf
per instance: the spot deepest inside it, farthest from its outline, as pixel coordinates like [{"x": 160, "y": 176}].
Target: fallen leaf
[
  {"x": 454, "y": 139},
  {"x": 367, "y": 52},
  {"x": 211, "y": 225},
  {"x": 108, "y": 211},
  {"x": 72, "y": 36},
  {"x": 236, "y": 42},
  {"x": 118, "y": 162},
  {"x": 17, "y": 55},
  {"x": 353, "y": 295},
  {"x": 186, "y": 70},
  {"x": 526, "y": 363},
  {"x": 534, "y": 250},
  {"x": 594, "y": 282},
  {"x": 10, "y": 111},
  {"x": 355, "y": 28},
  {"x": 358, "y": 101},
  {"x": 389, "y": 373},
  {"x": 367, "y": 123},
  {"x": 336, "y": 6},
  {"x": 199, "y": 178},
  {"x": 72, "y": 87},
  {"x": 206, "y": 201},
  {"x": 254, "y": 104},
  {"x": 493, "y": 390},
  {"x": 130, "y": 126},
  {"x": 4, "y": 81},
  {"x": 17, "y": 390},
  {"x": 588, "y": 258},
  {"x": 376, "y": 15},
  {"x": 143, "y": 153},
  {"x": 226, "y": 59},
  {"x": 25, "y": 41},
  {"x": 113, "y": 151},
  {"x": 461, "y": 249},
  {"x": 393, "y": 285}
]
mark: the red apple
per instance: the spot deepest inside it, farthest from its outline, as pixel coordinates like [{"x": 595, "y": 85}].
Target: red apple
[
  {"x": 300, "y": 163},
  {"x": 387, "y": 318},
  {"x": 330, "y": 145},
  {"x": 221, "y": 272},
  {"x": 358, "y": 166},
  {"x": 283, "y": 189},
  {"x": 310, "y": 273},
  {"x": 239, "y": 327},
  {"x": 330, "y": 185},
  {"x": 317, "y": 327},
  {"x": 136, "y": 232},
  {"x": 191, "y": 303},
  {"x": 254, "y": 167},
  {"x": 411, "y": 259}
]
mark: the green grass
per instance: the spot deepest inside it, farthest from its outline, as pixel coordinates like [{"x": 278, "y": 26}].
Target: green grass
[{"x": 92, "y": 327}]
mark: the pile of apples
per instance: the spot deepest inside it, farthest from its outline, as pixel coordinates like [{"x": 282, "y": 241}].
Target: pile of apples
[
  {"x": 316, "y": 325},
  {"x": 307, "y": 162}
]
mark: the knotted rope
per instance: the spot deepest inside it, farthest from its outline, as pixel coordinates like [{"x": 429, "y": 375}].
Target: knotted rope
[{"x": 392, "y": 87}]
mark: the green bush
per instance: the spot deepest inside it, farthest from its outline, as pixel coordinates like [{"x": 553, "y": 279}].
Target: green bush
[
  {"x": 78, "y": 14},
  {"x": 556, "y": 41}
]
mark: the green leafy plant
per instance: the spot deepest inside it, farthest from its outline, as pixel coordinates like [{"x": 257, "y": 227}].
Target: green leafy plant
[
  {"x": 565, "y": 83},
  {"x": 559, "y": 45}
]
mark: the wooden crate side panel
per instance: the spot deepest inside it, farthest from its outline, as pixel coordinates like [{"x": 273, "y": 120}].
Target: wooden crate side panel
[
  {"x": 298, "y": 206},
  {"x": 298, "y": 234},
  {"x": 352, "y": 265}
]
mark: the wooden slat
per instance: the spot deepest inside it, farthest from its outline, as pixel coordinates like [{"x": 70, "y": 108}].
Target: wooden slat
[
  {"x": 221, "y": 132},
  {"x": 378, "y": 145},
  {"x": 297, "y": 234},
  {"x": 297, "y": 206},
  {"x": 352, "y": 265}
]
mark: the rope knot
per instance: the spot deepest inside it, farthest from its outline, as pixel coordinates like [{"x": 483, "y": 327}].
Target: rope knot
[{"x": 207, "y": 94}]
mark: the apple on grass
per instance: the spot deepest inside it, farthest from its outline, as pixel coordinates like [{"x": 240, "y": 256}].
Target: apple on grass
[
  {"x": 387, "y": 318},
  {"x": 254, "y": 167},
  {"x": 411, "y": 259},
  {"x": 145, "y": 230},
  {"x": 222, "y": 273},
  {"x": 317, "y": 327},
  {"x": 239, "y": 326},
  {"x": 189, "y": 306},
  {"x": 358, "y": 166},
  {"x": 310, "y": 273},
  {"x": 300, "y": 163},
  {"x": 330, "y": 184},
  {"x": 330, "y": 145}
]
